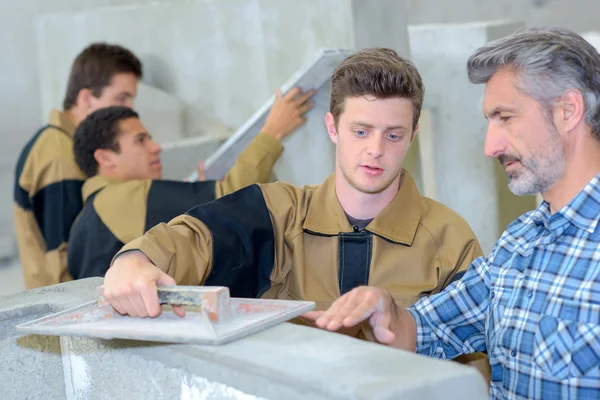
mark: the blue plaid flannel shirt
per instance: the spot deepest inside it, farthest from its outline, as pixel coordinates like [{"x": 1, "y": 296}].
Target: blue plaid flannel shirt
[{"x": 533, "y": 304}]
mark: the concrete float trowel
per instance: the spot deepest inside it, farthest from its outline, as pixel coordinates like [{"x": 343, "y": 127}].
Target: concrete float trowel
[{"x": 212, "y": 317}]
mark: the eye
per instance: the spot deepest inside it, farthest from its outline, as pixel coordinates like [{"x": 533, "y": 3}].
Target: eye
[
  {"x": 393, "y": 137},
  {"x": 361, "y": 133},
  {"x": 504, "y": 118}
]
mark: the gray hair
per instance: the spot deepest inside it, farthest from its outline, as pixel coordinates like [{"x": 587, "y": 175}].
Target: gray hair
[{"x": 548, "y": 61}]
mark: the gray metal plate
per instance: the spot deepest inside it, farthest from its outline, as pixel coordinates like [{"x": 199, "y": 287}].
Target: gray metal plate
[
  {"x": 91, "y": 320},
  {"x": 313, "y": 75}
]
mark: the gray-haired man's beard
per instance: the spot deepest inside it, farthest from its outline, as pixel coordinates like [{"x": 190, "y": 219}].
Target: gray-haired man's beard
[{"x": 534, "y": 176}]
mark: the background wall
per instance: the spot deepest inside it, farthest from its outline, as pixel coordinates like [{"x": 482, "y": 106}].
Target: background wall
[
  {"x": 20, "y": 111},
  {"x": 290, "y": 30},
  {"x": 580, "y": 15}
]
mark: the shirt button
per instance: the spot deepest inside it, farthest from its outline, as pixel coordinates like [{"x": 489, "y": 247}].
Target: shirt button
[
  {"x": 492, "y": 295},
  {"x": 513, "y": 353},
  {"x": 529, "y": 294}
]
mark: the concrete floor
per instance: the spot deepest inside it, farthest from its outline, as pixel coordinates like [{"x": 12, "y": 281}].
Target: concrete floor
[{"x": 11, "y": 278}]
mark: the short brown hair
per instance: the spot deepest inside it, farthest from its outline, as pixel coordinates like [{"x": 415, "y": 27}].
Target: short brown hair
[
  {"x": 379, "y": 72},
  {"x": 94, "y": 68}
]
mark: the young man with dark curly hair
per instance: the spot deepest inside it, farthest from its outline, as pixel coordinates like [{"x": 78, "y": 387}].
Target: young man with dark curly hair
[{"x": 125, "y": 196}]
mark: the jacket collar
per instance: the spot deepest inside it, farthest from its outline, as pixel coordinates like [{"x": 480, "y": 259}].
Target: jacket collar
[
  {"x": 398, "y": 222},
  {"x": 59, "y": 119},
  {"x": 96, "y": 183}
]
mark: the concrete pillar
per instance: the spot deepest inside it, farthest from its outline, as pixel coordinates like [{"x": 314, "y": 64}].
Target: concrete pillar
[
  {"x": 465, "y": 180},
  {"x": 284, "y": 362}
]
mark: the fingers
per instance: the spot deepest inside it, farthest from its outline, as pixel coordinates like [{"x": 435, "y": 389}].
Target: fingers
[
  {"x": 130, "y": 301},
  {"x": 358, "y": 305},
  {"x": 296, "y": 95},
  {"x": 290, "y": 94},
  {"x": 354, "y": 311},
  {"x": 357, "y": 312},
  {"x": 296, "y": 123},
  {"x": 137, "y": 303},
  {"x": 384, "y": 335},
  {"x": 201, "y": 171},
  {"x": 303, "y": 109},
  {"x": 149, "y": 299},
  {"x": 130, "y": 285},
  {"x": 330, "y": 320},
  {"x": 116, "y": 304},
  {"x": 304, "y": 97},
  {"x": 165, "y": 280},
  {"x": 312, "y": 315},
  {"x": 124, "y": 300},
  {"x": 178, "y": 310}
]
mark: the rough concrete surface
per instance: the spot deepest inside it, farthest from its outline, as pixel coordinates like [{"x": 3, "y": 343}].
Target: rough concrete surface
[
  {"x": 11, "y": 277},
  {"x": 31, "y": 364},
  {"x": 284, "y": 362}
]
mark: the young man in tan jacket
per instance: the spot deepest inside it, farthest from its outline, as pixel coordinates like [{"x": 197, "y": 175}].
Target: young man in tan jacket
[
  {"x": 48, "y": 182},
  {"x": 366, "y": 224},
  {"x": 125, "y": 195},
  {"x": 47, "y": 192}
]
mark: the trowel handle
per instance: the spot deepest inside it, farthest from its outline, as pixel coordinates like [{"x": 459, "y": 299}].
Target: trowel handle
[
  {"x": 214, "y": 300},
  {"x": 180, "y": 295}
]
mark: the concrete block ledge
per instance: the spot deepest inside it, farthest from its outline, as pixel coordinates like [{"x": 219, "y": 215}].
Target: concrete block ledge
[{"x": 285, "y": 362}]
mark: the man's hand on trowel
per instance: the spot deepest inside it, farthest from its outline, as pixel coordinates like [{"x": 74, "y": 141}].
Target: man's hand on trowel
[{"x": 130, "y": 286}]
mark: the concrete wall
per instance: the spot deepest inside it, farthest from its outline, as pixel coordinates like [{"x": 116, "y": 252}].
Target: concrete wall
[
  {"x": 21, "y": 113},
  {"x": 225, "y": 58},
  {"x": 220, "y": 61},
  {"x": 284, "y": 362},
  {"x": 303, "y": 25},
  {"x": 579, "y": 16}
]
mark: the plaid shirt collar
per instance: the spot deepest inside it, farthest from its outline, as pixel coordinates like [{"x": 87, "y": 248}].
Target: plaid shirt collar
[{"x": 581, "y": 211}]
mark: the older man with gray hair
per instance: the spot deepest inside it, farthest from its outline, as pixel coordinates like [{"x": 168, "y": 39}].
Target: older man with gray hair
[{"x": 534, "y": 303}]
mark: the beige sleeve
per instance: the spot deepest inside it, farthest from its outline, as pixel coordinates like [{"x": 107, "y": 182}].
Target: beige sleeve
[
  {"x": 182, "y": 248},
  {"x": 253, "y": 165},
  {"x": 460, "y": 249}
]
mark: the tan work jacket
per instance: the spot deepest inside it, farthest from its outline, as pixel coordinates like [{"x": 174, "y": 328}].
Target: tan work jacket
[
  {"x": 116, "y": 212},
  {"x": 279, "y": 241},
  {"x": 47, "y": 199}
]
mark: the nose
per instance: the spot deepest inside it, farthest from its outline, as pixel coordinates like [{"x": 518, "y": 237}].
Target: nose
[
  {"x": 156, "y": 148},
  {"x": 495, "y": 143},
  {"x": 376, "y": 146}
]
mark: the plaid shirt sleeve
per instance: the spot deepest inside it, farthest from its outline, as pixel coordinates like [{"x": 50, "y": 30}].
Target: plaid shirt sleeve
[{"x": 453, "y": 322}]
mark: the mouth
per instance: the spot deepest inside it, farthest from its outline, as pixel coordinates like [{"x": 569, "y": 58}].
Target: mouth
[
  {"x": 508, "y": 161},
  {"x": 156, "y": 164},
  {"x": 508, "y": 164},
  {"x": 372, "y": 170}
]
